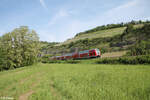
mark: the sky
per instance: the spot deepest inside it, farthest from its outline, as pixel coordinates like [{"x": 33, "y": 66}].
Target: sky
[{"x": 59, "y": 20}]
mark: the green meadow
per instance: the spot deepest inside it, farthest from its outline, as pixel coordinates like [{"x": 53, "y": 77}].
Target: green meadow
[{"x": 76, "y": 82}]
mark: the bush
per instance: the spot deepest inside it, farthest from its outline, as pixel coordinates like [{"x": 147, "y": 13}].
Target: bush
[
  {"x": 72, "y": 61},
  {"x": 61, "y": 61},
  {"x": 143, "y": 59},
  {"x": 128, "y": 60},
  {"x": 125, "y": 60},
  {"x": 107, "y": 61},
  {"x": 45, "y": 59},
  {"x": 55, "y": 61}
]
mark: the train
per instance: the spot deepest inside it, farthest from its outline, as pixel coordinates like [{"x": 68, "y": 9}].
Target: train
[{"x": 92, "y": 53}]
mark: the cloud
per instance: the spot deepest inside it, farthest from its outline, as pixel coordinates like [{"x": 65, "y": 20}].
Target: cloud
[
  {"x": 147, "y": 18},
  {"x": 59, "y": 15},
  {"x": 45, "y": 35},
  {"x": 42, "y": 2},
  {"x": 65, "y": 23},
  {"x": 127, "y": 5},
  {"x": 133, "y": 10},
  {"x": 73, "y": 27}
]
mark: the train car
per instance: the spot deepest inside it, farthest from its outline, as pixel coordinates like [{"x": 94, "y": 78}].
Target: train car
[
  {"x": 75, "y": 55},
  {"x": 84, "y": 54},
  {"x": 68, "y": 56},
  {"x": 92, "y": 53}
]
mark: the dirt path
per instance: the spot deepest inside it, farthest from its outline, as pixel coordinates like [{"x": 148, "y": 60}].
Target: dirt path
[
  {"x": 29, "y": 77},
  {"x": 54, "y": 92},
  {"x": 20, "y": 82},
  {"x": 26, "y": 95}
]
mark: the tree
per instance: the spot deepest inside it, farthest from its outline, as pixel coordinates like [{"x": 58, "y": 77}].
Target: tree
[
  {"x": 129, "y": 28},
  {"x": 71, "y": 45},
  {"x": 133, "y": 22},
  {"x": 19, "y": 48}
]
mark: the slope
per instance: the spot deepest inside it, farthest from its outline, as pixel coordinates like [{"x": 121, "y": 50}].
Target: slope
[{"x": 109, "y": 38}]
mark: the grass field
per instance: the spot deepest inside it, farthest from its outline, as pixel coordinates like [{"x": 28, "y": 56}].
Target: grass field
[{"x": 77, "y": 82}]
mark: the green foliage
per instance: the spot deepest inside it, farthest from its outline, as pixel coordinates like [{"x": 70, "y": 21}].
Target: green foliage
[
  {"x": 129, "y": 29},
  {"x": 72, "y": 61},
  {"x": 47, "y": 60},
  {"x": 141, "y": 48},
  {"x": 46, "y": 45},
  {"x": 19, "y": 48},
  {"x": 55, "y": 61},
  {"x": 103, "y": 27},
  {"x": 106, "y": 61},
  {"x": 125, "y": 60},
  {"x": 137, "y": 40},
  {"x": 111, "y": 26}
]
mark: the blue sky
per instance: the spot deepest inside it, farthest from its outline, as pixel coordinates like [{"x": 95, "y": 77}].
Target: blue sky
[{"x": 58, "y": 20}]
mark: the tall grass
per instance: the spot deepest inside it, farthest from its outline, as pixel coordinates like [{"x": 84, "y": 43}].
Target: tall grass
[{"x": 78, "y": 82}]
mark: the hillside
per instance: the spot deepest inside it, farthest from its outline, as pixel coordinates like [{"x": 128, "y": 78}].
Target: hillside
[
  {"x": 109, "y": 38},
  {"x": 97, "y": 34}
]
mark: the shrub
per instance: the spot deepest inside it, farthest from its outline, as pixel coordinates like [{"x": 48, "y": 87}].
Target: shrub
[
  {"x": 128, "y": 60},
  {"x": 143, "y": 59},
  {"x": 72, "y": 61},
  {"x": 125, "y": 60},
  {"x": 107, "y": 61},
  {"x": 55, "y": 61}
]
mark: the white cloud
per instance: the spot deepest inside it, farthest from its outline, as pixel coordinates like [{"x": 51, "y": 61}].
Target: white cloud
[
  {"x": 72, "y": 28},
  {"x": 60, "y": 14},
  {"x": 133, "y": 10},
  {"x": 127, "y": 5},
  {"x": 42, "y": 2},
  {"x": 45, "y": 35},
  {"x": 69, "y": 26},
  {"x": 147, "y": 18}
]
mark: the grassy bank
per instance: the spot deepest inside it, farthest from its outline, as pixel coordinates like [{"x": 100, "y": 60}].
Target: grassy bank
[{"x": 76, "y": 82}]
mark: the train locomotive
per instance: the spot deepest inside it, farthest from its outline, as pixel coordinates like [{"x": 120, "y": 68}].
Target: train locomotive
[{"x": 92, "y": 53}]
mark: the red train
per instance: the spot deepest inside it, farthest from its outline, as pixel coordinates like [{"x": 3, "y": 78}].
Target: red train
[{"x": 93, "y": 53}]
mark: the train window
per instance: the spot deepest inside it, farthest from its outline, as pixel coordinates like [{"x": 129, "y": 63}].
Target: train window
[
  {"x": 94, "y": 53},
  {"x": 91, "y": 53}
]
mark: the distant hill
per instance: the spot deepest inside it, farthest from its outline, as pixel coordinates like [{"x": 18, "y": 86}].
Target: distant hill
[
  {"x": 97, "y": 34},
  {"x": 108, "y": 38}
]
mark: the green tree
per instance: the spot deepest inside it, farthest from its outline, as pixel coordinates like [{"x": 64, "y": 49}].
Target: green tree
[
  {"x": 129, "y": 28},
  {"x": 19, "y": 48}
]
